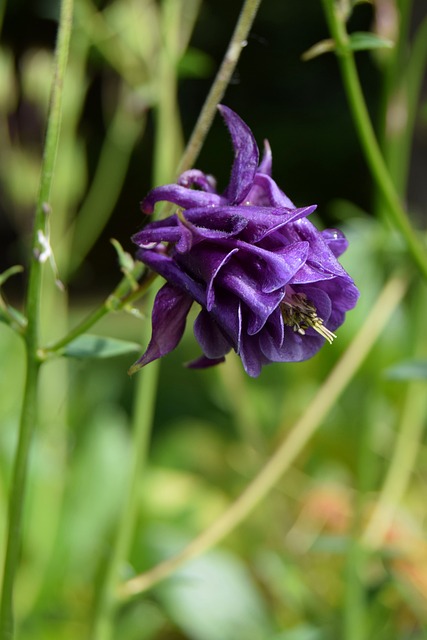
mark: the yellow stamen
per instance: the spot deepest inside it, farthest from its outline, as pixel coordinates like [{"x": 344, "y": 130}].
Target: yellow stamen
[{"x": 300, "y": 314}]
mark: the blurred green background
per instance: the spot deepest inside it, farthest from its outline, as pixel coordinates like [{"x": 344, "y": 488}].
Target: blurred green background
[{"x": 295, "y": 569}]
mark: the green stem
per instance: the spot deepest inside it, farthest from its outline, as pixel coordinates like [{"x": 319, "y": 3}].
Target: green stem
[
  {"x": 355, "y": 604},
  {"x": 414, "y": 75},
  {"x": 408, "y": 441},
  {"x": 17, "y": 497},
  {"x": 374, "y": 158},
  {"x": 106, "y": 185},
  {"x": 291, "y": 447},
  {"x": 2, "y": 12},
  {"x": 121, "y": 297},
  {"x": 102, "y": 628},
  {"x": 222, "y": 79},
  {"x": 29, "y": 407},
  {"x": 192, "y": 149}
]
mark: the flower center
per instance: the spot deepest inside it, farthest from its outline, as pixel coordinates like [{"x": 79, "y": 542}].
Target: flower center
[{"x": 301, "y": 314}]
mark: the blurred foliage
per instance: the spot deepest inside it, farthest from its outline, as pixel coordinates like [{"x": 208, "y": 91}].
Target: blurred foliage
[{"x": 296, "y": 568}]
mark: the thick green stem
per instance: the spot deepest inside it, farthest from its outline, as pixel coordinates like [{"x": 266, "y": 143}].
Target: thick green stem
[
  {"x": 29, "y": 407},
  {"x": 17, "y": 497},
  {"x": 394, "y": 210}
]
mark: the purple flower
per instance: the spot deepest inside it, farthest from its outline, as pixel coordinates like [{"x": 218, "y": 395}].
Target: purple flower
[{"x": 268, "y": 282}]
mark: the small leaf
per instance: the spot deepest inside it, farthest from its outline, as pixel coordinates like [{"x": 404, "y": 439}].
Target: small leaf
[
  {"x": 90, "y": 346},
  {"x": 17, "y": 268},
  {"x": 324, "y": 46},
  {"x": 195, "y": 64},
  {"x": 408, "y": 370},
  {"x": 362, "y": 41},
  {"x": 125, "y": 259}
]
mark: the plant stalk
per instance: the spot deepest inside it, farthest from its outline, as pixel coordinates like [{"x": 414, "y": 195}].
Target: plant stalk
[
  {"x": 394, "y": 209},
  {"x": 29, "y": 406}
]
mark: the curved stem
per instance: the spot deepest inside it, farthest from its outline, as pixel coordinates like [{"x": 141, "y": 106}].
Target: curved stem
[
  {"x": 374, "y": 158},
  {"x": 297, "y": 438},
  {"x": 222, "y": 79},
  {"x": 29, "y": 407}
]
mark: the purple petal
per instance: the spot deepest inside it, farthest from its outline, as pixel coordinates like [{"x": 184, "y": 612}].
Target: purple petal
[
  {"x": 245, "y": 156},
  {"x": 165, "y": 230},
  {"x": 203, "y": 362},
  {"x": 170, "y": 311},
  {"x": 239, "y": 282},
  {"x": 266, "y": 163},
  {"x": 336, "y": 241},
  {"x": 168, "y": 268},
  {"x": 227, "y": 312},
  {"x": 264, "y": 221},
  {"x": 265, "y": 192},
  {"x": 204, "y": 264},
  {"x": 183, "y": 197},
  {"x": 252, "y": 356},
  {"x": 199, "y": 179},
  {"x": 210, "y": 337},
  {"x": 321, "y": 257},
  {"x": 297, "y": 348},
  {"x": 273, "y": 269},
  {"x": 270, "y": 340}
]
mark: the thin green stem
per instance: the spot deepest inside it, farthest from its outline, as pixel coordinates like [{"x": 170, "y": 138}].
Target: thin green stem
[
  {"x": 121, "y": 297},
  {"x": 29, "y": 407},
  {"x": 291, "y": 447},
  {"x": 374, "y": 158},
  {"x": 222, "y": 79}
]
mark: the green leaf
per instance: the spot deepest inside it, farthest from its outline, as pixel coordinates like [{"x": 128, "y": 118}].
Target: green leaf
[
  {"x": 90, "y": 346},
  {"x": 408, "y": 370},
  {"x": 358, "y": 41},
  {"x": 364, "y": 40},
  {"x": 213, "y": 597}
]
